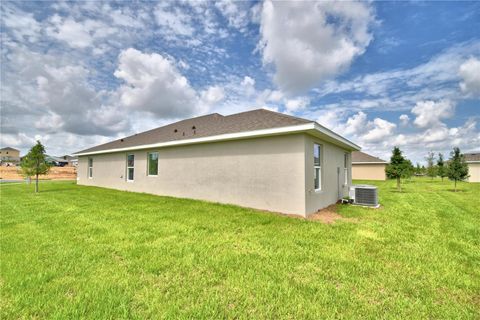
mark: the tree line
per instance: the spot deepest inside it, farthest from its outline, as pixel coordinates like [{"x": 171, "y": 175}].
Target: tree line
[{"x": 455, "y": 169}]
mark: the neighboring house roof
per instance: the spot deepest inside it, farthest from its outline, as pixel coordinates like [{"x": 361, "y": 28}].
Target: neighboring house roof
[
  {"x": 472, "y": 157},
  {"x": 216, "y": 127},
  {"x": 54, "y": 159},
  {"x": 69, "y": 157},
  {"x": 359, "y": 157},
  {"x": 9, "y": 149}
]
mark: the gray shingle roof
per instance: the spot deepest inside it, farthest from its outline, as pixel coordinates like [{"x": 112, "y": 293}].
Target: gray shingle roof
[
  {"x": 205, "y": 126},
  {"x": 9, "y": 149},
  {"x": 358, "y": 156},
  {"x": 473, "y": 156}
]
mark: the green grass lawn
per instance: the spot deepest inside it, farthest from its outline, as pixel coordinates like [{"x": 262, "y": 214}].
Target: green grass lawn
[{"x": 83, "y": 252}]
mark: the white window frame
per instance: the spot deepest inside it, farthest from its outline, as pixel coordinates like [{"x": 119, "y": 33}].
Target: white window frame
[
  {"x": 133, "y": 167},
  {"x": 90, "y": 168},
  {"x": 345, "y": 168},
  {"x": 319, "y": 167},
  {"x": 148, "y": 164}
]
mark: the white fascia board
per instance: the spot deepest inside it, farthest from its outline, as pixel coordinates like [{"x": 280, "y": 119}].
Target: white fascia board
[
  {"x": 336, "y": 137},
  {"x": 233, "y": 136},
  {"x": 473, "y": 161},
  {"x": 221, "y": 137}
]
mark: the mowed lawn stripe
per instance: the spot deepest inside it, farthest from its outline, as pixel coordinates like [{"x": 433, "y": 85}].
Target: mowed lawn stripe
[{"x": 86, "y": 252}]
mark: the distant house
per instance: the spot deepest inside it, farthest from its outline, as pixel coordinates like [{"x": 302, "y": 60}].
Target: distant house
[
  {"x": 367, "y": 167},
  {"x": 71, "y": 160},
  {"x": 8, "y": 154},
  {"x": 259, "y": 159},
  {"x": 473, "y": 161},
  {"x": 56, "y": 161},
  {"x": 62, "y": 161}
]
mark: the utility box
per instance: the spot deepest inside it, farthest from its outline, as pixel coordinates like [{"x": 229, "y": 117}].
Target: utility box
[{"x": 365, "y": 195}]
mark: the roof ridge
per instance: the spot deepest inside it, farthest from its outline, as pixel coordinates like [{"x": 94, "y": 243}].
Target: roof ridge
[
  {"x": 4, "y": 148},
  {"x": 188, "y": 119},
  {"x": 167, "y": 125},
  {"x": 213, "y": 124},
  {"x": 368, "y": 155},
  {"x": 288, "y": 115},
  {"x": 274, "y": 112}
]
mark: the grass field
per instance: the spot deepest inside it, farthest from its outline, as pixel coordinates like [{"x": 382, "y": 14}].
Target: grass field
[{"x": 84, "y": 252}]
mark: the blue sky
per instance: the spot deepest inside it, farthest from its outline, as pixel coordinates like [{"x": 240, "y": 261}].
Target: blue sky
[{"x": 75, "y": 74}]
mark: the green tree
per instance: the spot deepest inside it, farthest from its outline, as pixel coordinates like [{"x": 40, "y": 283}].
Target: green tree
[
  {"x": 34, "y": 163},
  {"x": 457, "y": 167},
  {"x": 431, "y": 170},
  {"x": 410, "y": 171},
  {"x": 418, "y": 170},
  {"x": 441, "y": 169},
  {"x": 399, "y": 167}
]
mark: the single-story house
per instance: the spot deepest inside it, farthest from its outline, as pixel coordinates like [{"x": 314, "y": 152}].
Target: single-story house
[
  {"x": 473, "y": 162},
  {"x": 259, "y": 159},
  {"x": 367, "y": 167}
]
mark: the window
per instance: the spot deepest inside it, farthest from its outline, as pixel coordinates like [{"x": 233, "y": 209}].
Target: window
[
  {"x": 317, "y": 165},
  {"x": 90, "y": 168},
  {"x": 130, "y": 167},
  {"x": 153, "y": 163},
  {"x": 345, "y": 167}
]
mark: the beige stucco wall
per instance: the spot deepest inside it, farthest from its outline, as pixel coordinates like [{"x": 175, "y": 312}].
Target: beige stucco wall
[
  {"x": 333, "y": 184},
  {"x": 368, "y": 172},
  {"x": 9, "y": 155},
  {"x": 263, "y": 173},
  {"x": 271, "y": 173},
  {"x": 474, "y": 172}
]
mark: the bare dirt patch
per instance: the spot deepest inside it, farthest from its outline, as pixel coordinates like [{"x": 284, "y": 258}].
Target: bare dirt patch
[
  {"x": 56, "y": 173},
  {"x": 329, "y": 215}
]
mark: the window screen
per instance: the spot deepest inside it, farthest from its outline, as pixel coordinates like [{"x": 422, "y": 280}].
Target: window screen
[
  {"x": 153, "y": 163},
  {"x": 90, "y": 167},
  {"x": 130, "y": 167},
  {"x": 317, "y": 166}
]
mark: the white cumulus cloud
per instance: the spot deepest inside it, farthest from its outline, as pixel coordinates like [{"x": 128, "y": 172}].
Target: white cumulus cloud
[
  {"x": 249, "y": 85},
  {"x": 404, "y": 119},
  {"x": 296, "y": 104},
  {"x": 470, "y": 73},
  {"x": 311, "y": 41},
  {"x": 357, "y": 124},
  {"x": 73, "y": 105},
  {"x": 379, "y": 130},
  {"x": 430, "y": 113},
  {"x": 213, "y": 95},
  {"x": 358, "y": 127},
  {"x": 153, "y": 84}
]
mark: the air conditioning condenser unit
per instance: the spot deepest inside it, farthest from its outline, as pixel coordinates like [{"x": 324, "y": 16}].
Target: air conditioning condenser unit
[{"x": 365, "y": 195}]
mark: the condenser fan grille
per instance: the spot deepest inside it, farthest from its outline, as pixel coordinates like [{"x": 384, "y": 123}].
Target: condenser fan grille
[{"x": 366, "y": 196}]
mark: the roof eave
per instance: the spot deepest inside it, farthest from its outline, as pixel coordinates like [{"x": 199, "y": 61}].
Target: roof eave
[
  {"x": 369, "y": 162},
  {"x": 335, "y": 138},
  {"x": 312, "y": 128}
]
